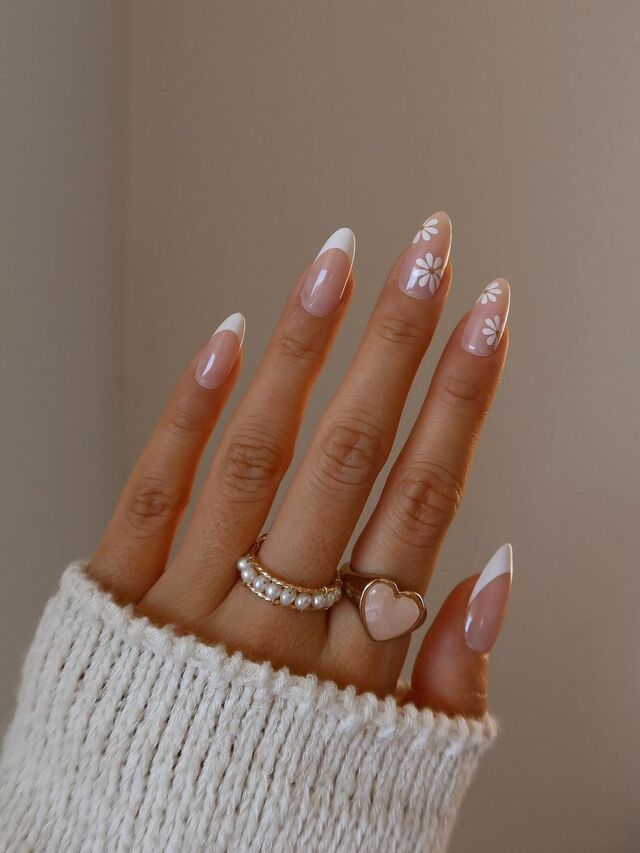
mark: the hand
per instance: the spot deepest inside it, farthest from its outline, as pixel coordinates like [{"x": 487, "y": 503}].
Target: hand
[{"x": 198, "y": 589}]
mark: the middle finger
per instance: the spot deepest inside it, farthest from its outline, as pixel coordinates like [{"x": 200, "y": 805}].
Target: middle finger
[{"x": 351, "y": 444}]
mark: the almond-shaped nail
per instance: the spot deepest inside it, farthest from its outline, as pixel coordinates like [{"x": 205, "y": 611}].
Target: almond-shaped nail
[
  {"x": 424, "y": 261},
  {"x": 488, "y": 320},
  {"x": 327, "y": 277},
  {"x": 220, "y": 353},
  {"x": 488, "y": 602}
]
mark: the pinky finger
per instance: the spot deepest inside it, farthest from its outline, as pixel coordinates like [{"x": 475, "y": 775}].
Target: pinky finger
[
  {"x": 135, "y": 546},
  {"x": 450, "y": 672}
]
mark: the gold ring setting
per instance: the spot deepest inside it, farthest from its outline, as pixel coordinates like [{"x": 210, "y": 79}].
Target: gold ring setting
[
  {"x": 386, "y": 611},
  {"x": 263, "y": 583}
]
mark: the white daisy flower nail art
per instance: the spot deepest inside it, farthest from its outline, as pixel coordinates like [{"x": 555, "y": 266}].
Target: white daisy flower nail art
[
  {"x": 490, "y": 293},
  {"x": 492, "y": 330},
  {"x": 430, "y": 272},
  {"x": 426, "y": 230},
  {"x": 488, "y": 321}
]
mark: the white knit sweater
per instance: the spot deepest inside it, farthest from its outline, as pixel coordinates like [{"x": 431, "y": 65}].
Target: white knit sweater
[{"x": 128, "y": 737}]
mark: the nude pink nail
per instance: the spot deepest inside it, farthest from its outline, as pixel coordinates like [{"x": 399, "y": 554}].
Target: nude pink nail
[
  {"x": 488, "y": 320},
  {"x": 424, "y": 261},
  {"x": 327, "y": 277},
  {"x": 221, "y": 352},
  {"x": 488, "y": 602}
]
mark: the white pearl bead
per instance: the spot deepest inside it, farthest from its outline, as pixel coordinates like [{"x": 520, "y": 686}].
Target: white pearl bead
[
  {"x": 302, "y": 601},
  {"x": 248, "y": 574},
  {"x": 243, "y": 563},
  {"x": 272, "y": 591},
  {"x": 330, "y": 598},
  {"x": 287, "y": 596},
  {"x": 259, "y": 583},
  {"x": 317, "y": 602},
  {"x": 337, "y": 593}
]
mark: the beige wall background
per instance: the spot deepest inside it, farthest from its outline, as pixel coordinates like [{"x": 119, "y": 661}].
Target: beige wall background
[
  {"x": 252, "y": 131},
  {"x": 62, "y": 170}
]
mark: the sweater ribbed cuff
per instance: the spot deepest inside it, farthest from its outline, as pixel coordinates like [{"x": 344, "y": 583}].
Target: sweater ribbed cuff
[{"x": 129, "y": 737}]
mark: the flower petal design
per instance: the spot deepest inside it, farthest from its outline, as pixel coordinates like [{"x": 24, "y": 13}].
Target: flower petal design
[
  {"x": 491, "y": 329},
  {"x": 432, "y": 272},
  {"x": 426, "y": 230},
  {"x": 490, "y": 293}
]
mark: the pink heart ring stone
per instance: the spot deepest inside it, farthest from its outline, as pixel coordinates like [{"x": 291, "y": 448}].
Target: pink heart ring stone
[{"x": 386, "y": 611}]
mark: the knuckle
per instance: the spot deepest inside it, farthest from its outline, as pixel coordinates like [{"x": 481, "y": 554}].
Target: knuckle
[
  {"x": 351, "y": 453},
  {"x": 400, "y": 331},
  {"x": 183, "y": 422},
  {"x": 253, "y": 462},
  {"x": 426, "y": 500},
  {"x": 154, "y": 502},
  {"x": 461, "y": 393},
  {"x": 298, "y": 349}
]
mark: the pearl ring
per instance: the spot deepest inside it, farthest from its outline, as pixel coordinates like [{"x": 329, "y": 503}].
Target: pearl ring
[{"x": 275, "y": 590}]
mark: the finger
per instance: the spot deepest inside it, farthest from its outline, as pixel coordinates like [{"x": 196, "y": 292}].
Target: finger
[
  {"x": 134, "y": 548},
  {"x": 450, "y": 672},
  {"x": 403, "y": 535},
  {"x": 351, "y": 444},
  {"x": 425, "y": 485},
  {"x": 257, "y": 445}
]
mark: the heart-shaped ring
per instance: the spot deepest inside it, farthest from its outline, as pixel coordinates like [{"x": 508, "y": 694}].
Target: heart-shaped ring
[{"x": 386, "y": 611}]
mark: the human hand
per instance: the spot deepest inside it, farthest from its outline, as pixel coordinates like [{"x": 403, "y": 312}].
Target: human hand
[{"x": 199, "y": 590}]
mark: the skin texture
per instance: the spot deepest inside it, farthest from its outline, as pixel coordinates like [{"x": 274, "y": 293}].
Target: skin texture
[{"x": 198, "y": 589}]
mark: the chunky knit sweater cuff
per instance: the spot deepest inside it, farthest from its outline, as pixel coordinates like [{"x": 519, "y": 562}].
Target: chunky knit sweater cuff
[{"x": 129, "y": 737}]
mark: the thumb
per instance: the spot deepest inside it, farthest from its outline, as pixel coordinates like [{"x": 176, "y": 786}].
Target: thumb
[{"x": 450, "y": 672}]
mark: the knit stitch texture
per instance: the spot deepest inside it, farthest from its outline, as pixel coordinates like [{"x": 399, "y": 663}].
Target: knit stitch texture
[{"x": 128, "y": 737}]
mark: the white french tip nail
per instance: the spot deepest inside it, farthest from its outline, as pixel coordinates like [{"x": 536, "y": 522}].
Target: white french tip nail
[
  {"x": 500, "y": 564},
  {"x": 344, "y": 239},
  {"x": 234, "y": 323}
]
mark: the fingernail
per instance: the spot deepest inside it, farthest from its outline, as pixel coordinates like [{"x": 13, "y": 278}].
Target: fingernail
[
  {"x": 488, "y": 602},
  {"x": 488, "y": 320},
  {"x": 327, "y": 277},
  {"x": 425, "y": 259},
  {"x": 221, "y": 352}
]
